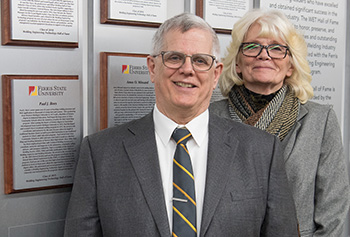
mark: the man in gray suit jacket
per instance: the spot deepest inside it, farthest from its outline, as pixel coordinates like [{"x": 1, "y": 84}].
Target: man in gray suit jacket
[{"x": 123, "y": 183}]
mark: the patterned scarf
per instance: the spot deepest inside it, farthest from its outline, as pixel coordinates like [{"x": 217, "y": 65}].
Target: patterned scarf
[{"x": 275, "y": 113}]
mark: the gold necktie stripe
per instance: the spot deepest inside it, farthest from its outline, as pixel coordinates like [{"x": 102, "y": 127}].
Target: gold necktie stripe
[
  {"x": 183, "y": 168},
  {"x": 185, "y": 219},
  {"x": 183, "y": 146},
  {"x": 184, "y": 193},
  {"x": 184, "y": 138}
]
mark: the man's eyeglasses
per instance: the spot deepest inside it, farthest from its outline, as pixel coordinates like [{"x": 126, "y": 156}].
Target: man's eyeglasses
[
  {"x": 275, "y": 51},
  {"x": 174, "y": 60}
]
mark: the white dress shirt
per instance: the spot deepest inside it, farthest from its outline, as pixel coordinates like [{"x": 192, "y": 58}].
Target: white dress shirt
[{"x": 198, "y": 149}]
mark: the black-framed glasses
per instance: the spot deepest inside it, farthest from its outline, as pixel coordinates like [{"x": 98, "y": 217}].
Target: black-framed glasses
[
  {"x": 174, "y": 60},
  {"x": 276, "y": 51}
]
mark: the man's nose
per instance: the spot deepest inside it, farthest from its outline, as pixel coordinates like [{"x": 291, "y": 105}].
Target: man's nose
[{"x": 187, "y": 66}]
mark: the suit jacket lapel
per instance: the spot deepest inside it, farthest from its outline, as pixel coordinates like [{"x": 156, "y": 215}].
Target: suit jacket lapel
[
  {"x": 289, "y": 142},
  {"x": 142, "y": 150},
  {"x": 221, "y": 153}
]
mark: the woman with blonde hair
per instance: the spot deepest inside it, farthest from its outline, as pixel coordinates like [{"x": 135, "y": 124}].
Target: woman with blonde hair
[{"x": 266, "y": 82}]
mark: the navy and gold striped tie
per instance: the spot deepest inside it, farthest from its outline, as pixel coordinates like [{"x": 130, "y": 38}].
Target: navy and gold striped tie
[{"x": 184, "y": 200}]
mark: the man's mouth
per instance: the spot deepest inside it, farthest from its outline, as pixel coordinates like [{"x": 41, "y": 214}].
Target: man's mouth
[{"x": 186, "y": 85}]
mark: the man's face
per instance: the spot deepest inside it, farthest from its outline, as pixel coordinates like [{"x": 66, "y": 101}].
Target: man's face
[{"x": 184, "y": 90}]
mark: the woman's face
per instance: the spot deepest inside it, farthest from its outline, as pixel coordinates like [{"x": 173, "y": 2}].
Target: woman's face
[{"x": 262, "y": 74}]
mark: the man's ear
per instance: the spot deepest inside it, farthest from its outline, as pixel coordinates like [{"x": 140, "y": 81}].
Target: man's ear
[
  {"x": 217, "y": 73},
  {"x": 151, "y": 64}
]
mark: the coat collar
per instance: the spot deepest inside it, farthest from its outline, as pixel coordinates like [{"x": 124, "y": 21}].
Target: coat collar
[
  {"x": 221, "y": 152},
  {"x": 303, "y": 111},
  {"x": 289, "y": 142},
  {"x": 142, "y": 151}
]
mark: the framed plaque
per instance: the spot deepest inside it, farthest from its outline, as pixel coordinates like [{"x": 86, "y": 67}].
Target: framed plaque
[
  {"x": 42, "y": 131},
  {"x": 40, "y": 23},
  {"x": 126, "y": 91},
  {"x": 149, "y": 13},
  {"x": 222, "y": 15}
]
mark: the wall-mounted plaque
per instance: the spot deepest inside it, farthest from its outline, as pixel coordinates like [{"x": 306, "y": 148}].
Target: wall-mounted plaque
[
  {"x": 126, "y": 89},
  {"x": 323, "y": 25},
  {"x": 150, "y": 13},
  {"x": 40, "y": 23},
  {"x": 222, "y": 15},
  {"x": 42, "y": 131}
]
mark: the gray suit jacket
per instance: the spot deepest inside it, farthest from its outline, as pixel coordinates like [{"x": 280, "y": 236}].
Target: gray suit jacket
[
  {"x": 118, "y": 189},
  {"x": 315, "y": 167}
]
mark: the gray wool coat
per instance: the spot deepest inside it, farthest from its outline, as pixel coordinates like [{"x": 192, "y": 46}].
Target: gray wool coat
[{"x": 316, "y": 169}]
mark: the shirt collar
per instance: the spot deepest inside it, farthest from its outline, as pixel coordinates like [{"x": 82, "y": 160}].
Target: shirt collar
[{"x": 164, "y": 126}]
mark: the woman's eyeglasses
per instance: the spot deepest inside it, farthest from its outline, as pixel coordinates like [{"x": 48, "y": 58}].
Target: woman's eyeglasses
[{"x": 276, "y": 51}]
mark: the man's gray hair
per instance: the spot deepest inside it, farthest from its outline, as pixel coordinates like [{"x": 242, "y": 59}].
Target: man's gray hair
[{"x": 184, "y": 22}]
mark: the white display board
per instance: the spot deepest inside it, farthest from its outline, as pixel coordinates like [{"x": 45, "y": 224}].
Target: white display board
[
  {"x": 323, "y": 23},
  {"x": 49, "y": 20},
  {"x": 224, "y": 13},
  {"x": 135, "y": 10}
]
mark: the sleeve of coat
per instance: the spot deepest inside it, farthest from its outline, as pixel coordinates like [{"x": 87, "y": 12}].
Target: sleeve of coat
[
  {"x": 332, "y": 184},
  {"x": 280, "y": 219},
  {"x": 82, "y": 216}
]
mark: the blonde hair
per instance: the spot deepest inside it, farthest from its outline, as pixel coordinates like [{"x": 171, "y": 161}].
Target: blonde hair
[{"x": 276, "y": 24}]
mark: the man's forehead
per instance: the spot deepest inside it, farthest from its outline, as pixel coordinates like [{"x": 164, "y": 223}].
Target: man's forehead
[{"x": 195, "y": 36}]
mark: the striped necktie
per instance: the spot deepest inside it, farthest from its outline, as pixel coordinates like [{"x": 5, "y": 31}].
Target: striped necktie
[{"x": 184, "y": 200}]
